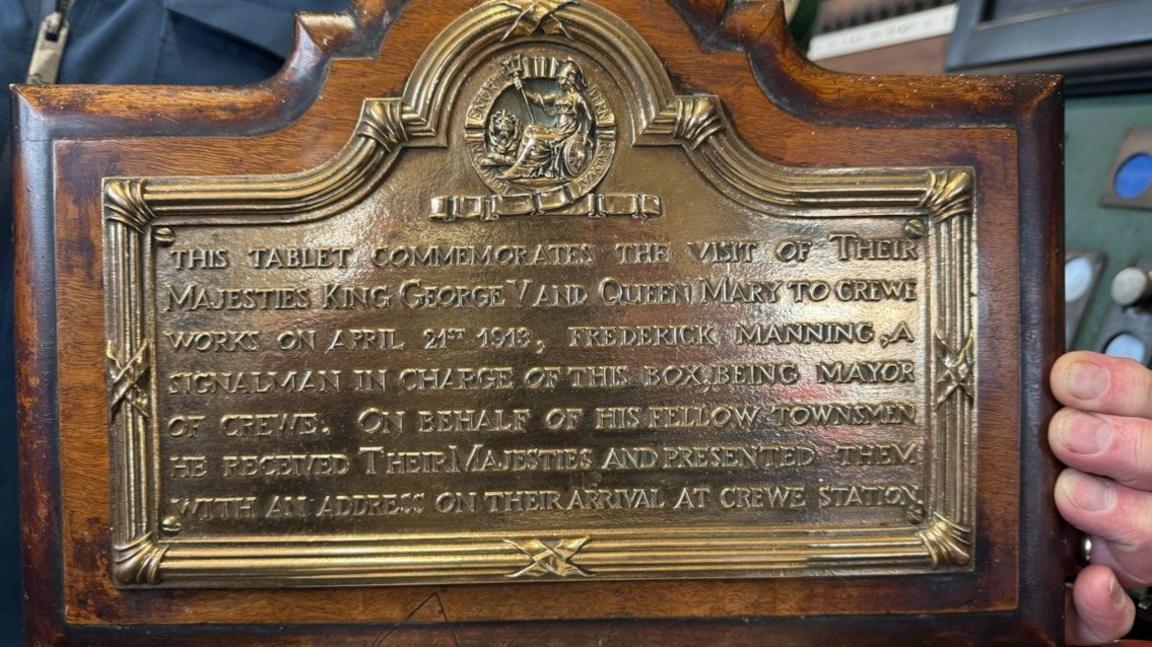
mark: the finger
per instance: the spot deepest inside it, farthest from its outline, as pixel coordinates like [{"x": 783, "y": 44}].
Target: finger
[
  {"x": 1114, "y": 446},
  {"x": 1101, "y": 612},
  {"x": 1102, "y": 384},
  {"x": 1104, "y": 554},
  {"x": 1112, "y": 513}
]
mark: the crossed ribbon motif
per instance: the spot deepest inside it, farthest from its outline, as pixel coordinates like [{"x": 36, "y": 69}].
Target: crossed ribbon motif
[
  {"x": 554, "y": 559},
  {"x": 957, "y": 373},
  {"x": 536, "y": 15},
  {"x": 125, "y": 380}
]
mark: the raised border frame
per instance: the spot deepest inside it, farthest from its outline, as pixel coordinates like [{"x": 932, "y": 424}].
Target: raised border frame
[{"x": 141, "y": 214}]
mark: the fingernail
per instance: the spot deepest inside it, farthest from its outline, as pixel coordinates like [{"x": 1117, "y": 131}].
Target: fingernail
[
  {"x": 1086, "y": 380},
  {"x": 1115, "y": 593},
  {"x": 1089, "y": 493},
  {"x": 1084, "y": 434}
]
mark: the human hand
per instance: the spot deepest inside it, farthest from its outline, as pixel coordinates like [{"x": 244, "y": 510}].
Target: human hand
[{"x": 1104, "y": 435}]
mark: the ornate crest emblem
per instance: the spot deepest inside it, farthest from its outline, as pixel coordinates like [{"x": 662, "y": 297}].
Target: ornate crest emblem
[
  {"x": 542, "y": 137},
  {"x": 539, "y": 127}
]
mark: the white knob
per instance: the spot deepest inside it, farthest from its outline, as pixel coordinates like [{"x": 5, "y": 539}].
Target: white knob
[{"x": 1131, "y": 286}]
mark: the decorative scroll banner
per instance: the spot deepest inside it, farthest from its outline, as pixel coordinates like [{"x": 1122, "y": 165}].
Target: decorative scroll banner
[{"x": 545, "y": 203}]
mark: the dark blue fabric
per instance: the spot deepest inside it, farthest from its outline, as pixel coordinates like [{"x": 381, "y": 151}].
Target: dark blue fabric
[{"x": 210, "y": 42}]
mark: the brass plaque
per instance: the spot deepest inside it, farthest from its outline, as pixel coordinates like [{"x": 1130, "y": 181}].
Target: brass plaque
[{"x": 543, "y": 318}]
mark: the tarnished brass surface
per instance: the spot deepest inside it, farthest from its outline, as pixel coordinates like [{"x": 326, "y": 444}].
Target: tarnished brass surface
[{"x": 542, "y": 318}]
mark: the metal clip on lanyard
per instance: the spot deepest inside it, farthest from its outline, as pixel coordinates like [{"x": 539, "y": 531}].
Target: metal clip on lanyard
[{"x": 50, "y": 41}]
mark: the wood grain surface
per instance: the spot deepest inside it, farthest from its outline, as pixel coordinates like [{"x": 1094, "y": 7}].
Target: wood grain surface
[{"x": 785, "y": 108}]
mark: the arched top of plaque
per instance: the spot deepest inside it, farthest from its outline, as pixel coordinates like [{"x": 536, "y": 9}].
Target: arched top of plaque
[{"x": 542, "y": 132}]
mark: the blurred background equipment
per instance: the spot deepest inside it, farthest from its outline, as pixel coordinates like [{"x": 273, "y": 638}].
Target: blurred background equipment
[
  {"x": 883, "y": 36},
  {"x": 1100, "y": 46}
]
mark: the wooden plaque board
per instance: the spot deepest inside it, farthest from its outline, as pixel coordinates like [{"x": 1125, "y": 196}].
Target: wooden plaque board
[{"x": 969, "y": 164}]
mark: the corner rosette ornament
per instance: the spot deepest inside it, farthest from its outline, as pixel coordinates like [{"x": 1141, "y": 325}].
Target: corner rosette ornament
[
  {"x": 948, "y": 543},
  {"x": 138, "y": 561},
  {"x": 949, "y": 194}
]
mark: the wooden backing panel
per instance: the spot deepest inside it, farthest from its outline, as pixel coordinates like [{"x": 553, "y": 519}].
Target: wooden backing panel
[{"x": 996, "y": 107}]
